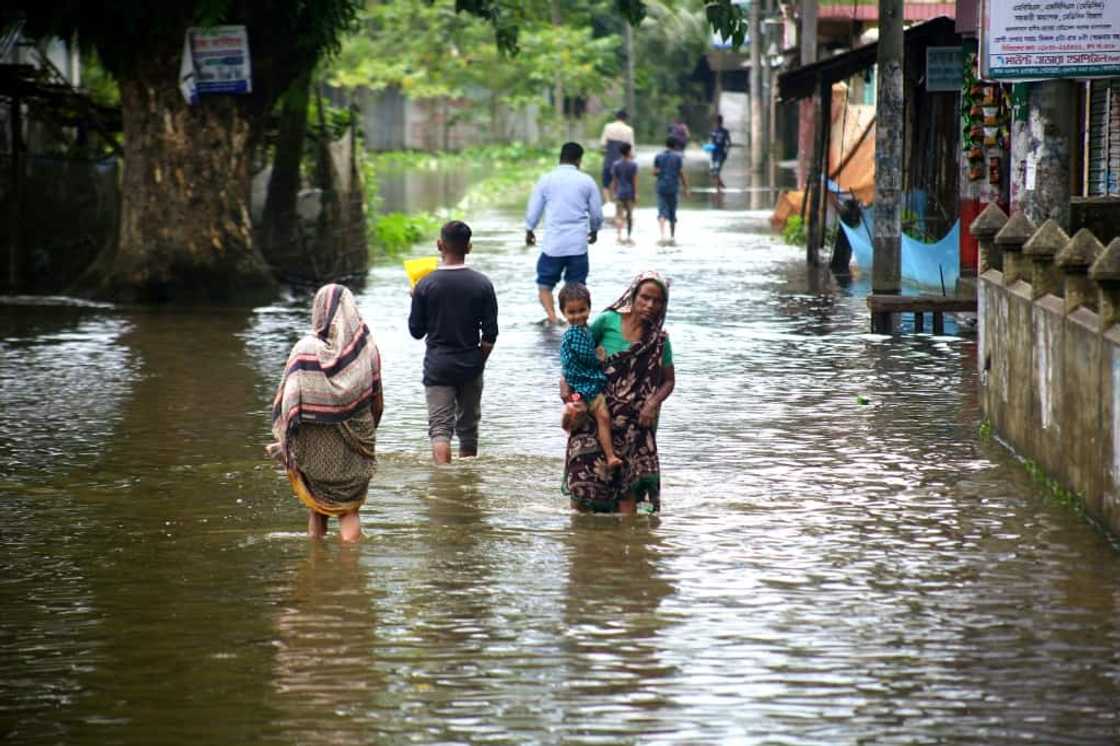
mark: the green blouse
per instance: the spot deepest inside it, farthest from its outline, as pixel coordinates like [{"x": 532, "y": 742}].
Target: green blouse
[{"x": 607, "y": 331}]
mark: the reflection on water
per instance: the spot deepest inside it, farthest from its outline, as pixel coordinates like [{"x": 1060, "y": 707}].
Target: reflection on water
[
  {"x": 422, "y": 190},
  {"x": 824, "y": 570}
]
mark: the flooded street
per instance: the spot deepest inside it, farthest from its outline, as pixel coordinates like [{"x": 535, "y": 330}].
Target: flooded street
[{"x": 823, "y": 571}]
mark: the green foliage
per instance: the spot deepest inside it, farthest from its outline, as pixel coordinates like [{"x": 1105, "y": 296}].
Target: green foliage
[
  {"x": 729, "y": 20},
  {"x": 98, "y": 83},
  {"x": 1054, "y": 490},
  {"x": 668, "y": 44},
  {"x": 1058, "y": 494},
  {"x": 504, "y": 22},
  {"x": 286, "y": 36},
  {"x": 793, "y": 232},
  {"x": 397, "y": 232},
  {"x": 337, "y": 120},
  {"x": 426, "y": 50}
]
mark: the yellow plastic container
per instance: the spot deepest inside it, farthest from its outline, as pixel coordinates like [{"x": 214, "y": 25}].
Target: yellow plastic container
[{"x": 418, "y": 269}]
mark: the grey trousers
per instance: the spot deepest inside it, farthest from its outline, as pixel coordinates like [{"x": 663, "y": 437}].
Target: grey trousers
[{"x": 455, "y": 409}]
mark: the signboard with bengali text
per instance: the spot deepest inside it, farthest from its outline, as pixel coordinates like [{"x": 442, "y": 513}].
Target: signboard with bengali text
[
  {"x": 1051, "y": 39},
  {"x": 221, "y": 59}
]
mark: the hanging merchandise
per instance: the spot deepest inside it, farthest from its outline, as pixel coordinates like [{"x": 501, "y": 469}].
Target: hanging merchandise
[{"x": 985, "y": 130}]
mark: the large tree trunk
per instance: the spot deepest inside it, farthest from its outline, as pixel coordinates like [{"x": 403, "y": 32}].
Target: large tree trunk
[
  {"x": 185, "y": 228},
  {"x": 278, "y": 226}
]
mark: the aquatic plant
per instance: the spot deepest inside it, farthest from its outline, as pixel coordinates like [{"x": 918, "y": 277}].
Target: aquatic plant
[
  {"x": 397, "y": 232},
  {"x": 793, "y": 232}
]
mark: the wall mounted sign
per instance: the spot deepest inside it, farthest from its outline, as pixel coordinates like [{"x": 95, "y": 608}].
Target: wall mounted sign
[{"x": 1048, "y": 39}]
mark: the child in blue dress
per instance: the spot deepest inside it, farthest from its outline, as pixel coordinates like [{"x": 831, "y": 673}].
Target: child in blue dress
[{"x": 582, "y": 364}]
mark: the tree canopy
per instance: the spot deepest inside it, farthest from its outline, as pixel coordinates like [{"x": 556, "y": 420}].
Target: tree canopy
[
  {"x": 185, "y": 228},
  {"x": 286, "y": 36},
  {"x": 427, "y": 49}
]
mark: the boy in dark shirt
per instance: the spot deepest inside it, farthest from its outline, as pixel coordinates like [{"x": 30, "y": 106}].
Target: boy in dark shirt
[
  {"x": 456, "y": 309},
  {"x": 668, "y": 168},
  {"x": 721, "y": 143},
  {"x": 624, "y": 185}
]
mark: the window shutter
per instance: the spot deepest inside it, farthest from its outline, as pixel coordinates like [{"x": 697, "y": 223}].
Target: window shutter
[{"x": 1104, "y": 138}]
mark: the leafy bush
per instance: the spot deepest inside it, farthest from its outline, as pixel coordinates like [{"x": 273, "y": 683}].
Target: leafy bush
[
  {"x": 794, "y": 231},
  {"x": 397, "y": 232}
]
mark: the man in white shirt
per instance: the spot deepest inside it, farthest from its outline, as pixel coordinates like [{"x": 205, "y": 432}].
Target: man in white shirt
[
  {"x": 614, "y": 134},
  {"x": 569, "y": 200}
]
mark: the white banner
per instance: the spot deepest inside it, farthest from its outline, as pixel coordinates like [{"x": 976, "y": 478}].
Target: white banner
[
  {"x": 1051, "y": 39},
  {"x": 221, "y": 59}
]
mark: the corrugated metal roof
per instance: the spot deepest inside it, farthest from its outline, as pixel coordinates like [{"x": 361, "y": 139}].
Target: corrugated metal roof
[{"x": 805, "y": 81}]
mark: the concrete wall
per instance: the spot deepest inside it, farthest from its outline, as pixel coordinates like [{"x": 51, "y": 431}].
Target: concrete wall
[
  {"x": 392, "y": 121},
  {"x": 1051, "y": 374}
]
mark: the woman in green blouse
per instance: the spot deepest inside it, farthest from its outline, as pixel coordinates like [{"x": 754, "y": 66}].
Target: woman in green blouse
[{"x": 640, "y": 377}]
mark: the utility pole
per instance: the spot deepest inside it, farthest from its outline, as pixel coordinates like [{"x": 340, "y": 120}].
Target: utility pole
[
  {"x": 757, "y": 97},
  {"x": 807, "y": 114},
  {"x": 886, "y": 274},
  {"x": 768, "y": 99},
  {"x": 628, "y": 39}
]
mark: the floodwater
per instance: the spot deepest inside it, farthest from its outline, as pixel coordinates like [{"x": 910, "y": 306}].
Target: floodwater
[{"x": 824, "y": 571}]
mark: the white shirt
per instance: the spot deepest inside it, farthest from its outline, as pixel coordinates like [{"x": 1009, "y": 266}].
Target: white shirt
[
  {"x": 617, "y": 130},
  {"x": 574, "y": 209}
]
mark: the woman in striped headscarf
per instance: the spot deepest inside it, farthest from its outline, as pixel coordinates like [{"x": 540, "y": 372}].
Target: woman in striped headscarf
[{"x": 326, "y": 412}]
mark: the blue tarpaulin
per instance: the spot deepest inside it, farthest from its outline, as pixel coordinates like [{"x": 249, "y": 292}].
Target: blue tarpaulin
[{"x": 931, "y": 265}]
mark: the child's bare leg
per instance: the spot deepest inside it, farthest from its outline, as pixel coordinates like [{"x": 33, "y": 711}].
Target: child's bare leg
[
  {"x": 350, "y": 526},
  {"x": 316, "y": 525},
  {"x": 603, "y": 423}
]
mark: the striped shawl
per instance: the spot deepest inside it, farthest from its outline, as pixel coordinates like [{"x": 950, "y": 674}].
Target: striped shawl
[{"x": 331, "y": 373}]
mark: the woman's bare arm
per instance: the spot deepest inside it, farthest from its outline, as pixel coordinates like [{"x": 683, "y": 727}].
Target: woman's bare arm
[{"x": 648, "y": 415}]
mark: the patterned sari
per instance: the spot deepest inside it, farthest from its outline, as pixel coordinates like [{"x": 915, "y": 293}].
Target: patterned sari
[
  {"x": 321, "y": 416},
  {"x": 632, "y": 377}
]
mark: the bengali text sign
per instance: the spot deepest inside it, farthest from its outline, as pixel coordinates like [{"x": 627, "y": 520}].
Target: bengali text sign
[{"x": 1051, "y": 39}]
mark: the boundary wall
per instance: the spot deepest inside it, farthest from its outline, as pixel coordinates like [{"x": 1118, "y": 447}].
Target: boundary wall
[{"x": 1049, "y": 352}]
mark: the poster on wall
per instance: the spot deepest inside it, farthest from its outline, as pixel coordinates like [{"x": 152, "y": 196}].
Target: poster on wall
[
  {"x": 215, "y": 60},
  {"x": 1047, "y": 39}
]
